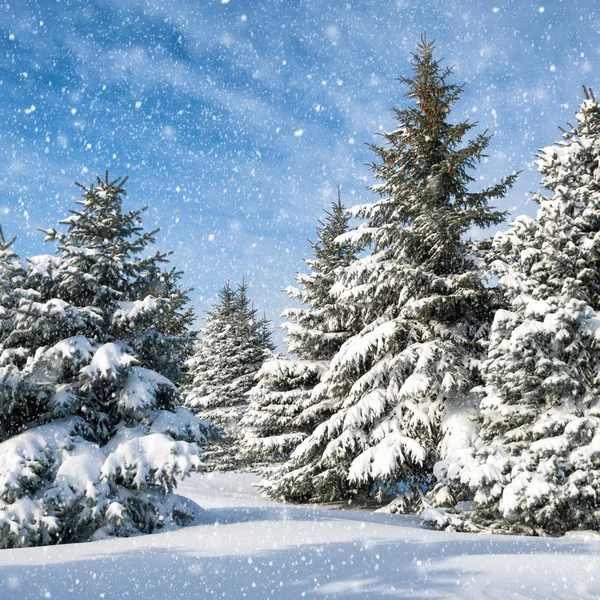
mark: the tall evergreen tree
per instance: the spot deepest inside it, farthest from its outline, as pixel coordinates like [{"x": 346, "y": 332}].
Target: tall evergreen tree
[
  {"x": 423, "y": 300},
  {"x": 96, "y": 441},
  {"x": 229, "y": 353},
  {"x": 281, "y": 411},
  {"x": 535, "y": 466}
]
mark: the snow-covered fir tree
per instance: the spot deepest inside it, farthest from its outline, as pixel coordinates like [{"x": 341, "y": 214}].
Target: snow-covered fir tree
[
  {"x": 272, "y": 425},
  {"x": 423, "y": 300},
  {"x": 536, "y": 463},
  {"x": 228, "y": 355},
  {"x": 317, "y": 330},
  {"x": 281, "y": 411},
  {"x": 94, "y": 440}
]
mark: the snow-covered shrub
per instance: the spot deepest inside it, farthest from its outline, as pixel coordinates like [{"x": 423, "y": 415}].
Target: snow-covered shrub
[{"x": 92, "y": 440}]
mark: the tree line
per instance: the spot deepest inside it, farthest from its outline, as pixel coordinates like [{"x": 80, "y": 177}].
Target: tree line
[
  {"x": 436, "y": 374},
  {"x": 426, "y": 372}
]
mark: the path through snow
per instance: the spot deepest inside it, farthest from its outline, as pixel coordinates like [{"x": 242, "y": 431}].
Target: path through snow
[{"x": 249, "y": 547}]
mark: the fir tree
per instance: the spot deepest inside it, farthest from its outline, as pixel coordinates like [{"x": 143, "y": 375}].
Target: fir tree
[
  {"x": 423, "y": 300},
  {"x": 276, "y": 420},
  {"x": 535, "y": 465},
  {"x": 281, "y": 411},
  {"x": 229, "y": 353},
  {"x": 318, "y": 329},
  {"x": 96, "y": 441}
]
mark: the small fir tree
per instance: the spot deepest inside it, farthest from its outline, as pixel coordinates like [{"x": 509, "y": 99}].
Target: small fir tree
[
  {"x": 423, "y": 300},
  {"x": 276, "y": 419},
  {"x": 96, "y": 442},
  {"x": 169, "y": 345},
  {"x": 229, "y": 353},
  {"x": 12, "y": 279},
  {"x": 317, "y": 330},
  {"x": 281, "y": 411}
]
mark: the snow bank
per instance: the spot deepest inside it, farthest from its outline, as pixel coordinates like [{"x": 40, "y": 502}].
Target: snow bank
[{"x": 248, "y": 547}]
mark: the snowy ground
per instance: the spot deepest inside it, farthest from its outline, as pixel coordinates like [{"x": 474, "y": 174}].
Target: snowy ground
[{"x": 252, "y": 548}]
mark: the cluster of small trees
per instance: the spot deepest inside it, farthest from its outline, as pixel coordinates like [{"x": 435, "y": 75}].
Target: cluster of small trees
[
  {"x": 427, "y": 371},
  {"x": 443, "y": 374},
  {"x": 95, "y": 346}
]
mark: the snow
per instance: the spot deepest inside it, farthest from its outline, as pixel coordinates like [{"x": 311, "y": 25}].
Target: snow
[
  {"x": 20, "y": 455},
  {"x": 43, "y": 265},
  {"x": 141, "y": 387},
  {"x": 248, "y": 547},
  {"x": 151, "y": 459},
  {"x": 80, "y": 472},
  {"x": 108, "y": 360},
  {"x": 180, "y": 423},
  {"x": 415, "y": 384},
  {"x": 130, "y": 311}
]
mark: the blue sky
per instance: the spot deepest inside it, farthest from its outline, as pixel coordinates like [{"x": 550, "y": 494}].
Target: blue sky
[{"x": 236, "y": 121}]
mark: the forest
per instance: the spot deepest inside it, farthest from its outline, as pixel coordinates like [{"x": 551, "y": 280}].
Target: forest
[
  {"x": 425, "y": 372},
  {"x": 423, "y": 418}
]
